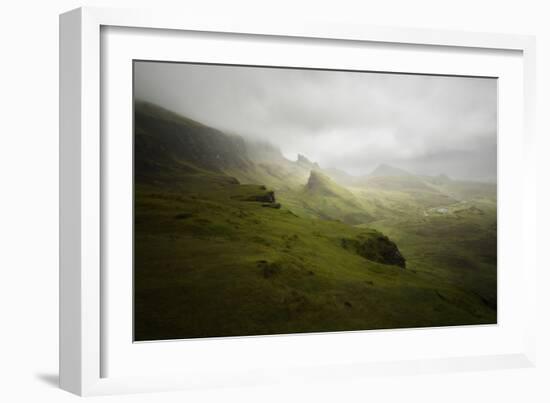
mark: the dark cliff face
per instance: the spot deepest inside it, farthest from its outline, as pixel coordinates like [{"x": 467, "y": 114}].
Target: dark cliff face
[{"x": 161, "y": 135}]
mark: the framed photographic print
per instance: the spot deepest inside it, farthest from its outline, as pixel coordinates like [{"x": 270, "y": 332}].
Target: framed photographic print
[
  {"x": 243, "y": 202},
  {"x": 391, "y": 224}
]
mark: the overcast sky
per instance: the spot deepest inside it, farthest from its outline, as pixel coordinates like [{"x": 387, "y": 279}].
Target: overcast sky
[{"x": 350, "y": 121}]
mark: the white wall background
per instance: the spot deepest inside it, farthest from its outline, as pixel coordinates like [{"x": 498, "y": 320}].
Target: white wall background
[{"x": 29, "y": 201}]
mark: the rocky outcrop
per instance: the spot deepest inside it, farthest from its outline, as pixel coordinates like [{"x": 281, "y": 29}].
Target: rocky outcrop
[
  {"x": 376, "y": 247},
  {"x": 267, "y": 197},
  {"x": 259, "y": 194}
]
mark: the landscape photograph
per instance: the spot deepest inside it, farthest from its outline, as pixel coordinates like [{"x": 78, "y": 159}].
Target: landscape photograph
[{"x": 271, "y": 200}]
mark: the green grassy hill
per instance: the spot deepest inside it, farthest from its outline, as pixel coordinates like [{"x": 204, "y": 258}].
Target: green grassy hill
[
  {"x": 230, "y": 241},
  {"x": 325, "y": 199}
]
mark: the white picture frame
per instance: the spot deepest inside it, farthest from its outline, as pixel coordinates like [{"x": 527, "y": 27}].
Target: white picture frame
[{"x": 83, "y": 306}]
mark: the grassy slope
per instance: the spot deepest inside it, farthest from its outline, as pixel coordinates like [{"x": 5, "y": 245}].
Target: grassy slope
[
  {"x": 458, "y": 247},
  {"x": 208, "y": 264},
  {"x": 327, "y": 200}
]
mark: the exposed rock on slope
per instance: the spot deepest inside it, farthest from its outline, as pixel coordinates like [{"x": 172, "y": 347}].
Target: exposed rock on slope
[
  {"x": 267, "y": 197},
  {"x": 378, "y": 248}
]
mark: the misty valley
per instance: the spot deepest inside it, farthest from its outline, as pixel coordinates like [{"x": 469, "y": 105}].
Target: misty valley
[{"x": 233, "y": 239}]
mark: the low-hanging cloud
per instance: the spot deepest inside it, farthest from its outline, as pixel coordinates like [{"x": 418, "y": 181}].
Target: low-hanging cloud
[{"x": 352, "y": 121}]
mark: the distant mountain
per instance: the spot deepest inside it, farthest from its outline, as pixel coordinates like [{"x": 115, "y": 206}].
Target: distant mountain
[
  {"x": 402, "y": 187},
  {"x": 398, "y": 183},
  {"x": 438, "y": 180},
  {"x": 389, "y": 178},
  {"x": 388, "y": 170},
  {"x": 341, "y": 177}
]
